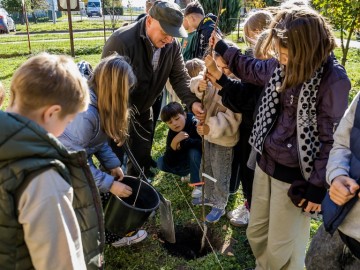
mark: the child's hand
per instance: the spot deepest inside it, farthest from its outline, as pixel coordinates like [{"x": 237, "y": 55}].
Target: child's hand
[
  {"x": 215, "y": 37},
  {"x": 310, "y": 207},
  {"x": 117, "y": 172},
  {"x": 177, "y": 139},
  {"x": 203, "y": 85},
  {"x": 202, "y": 129},
  {"x": 211, "y": 78},
  {"x": 120, "y": 189},
  {"x": 198, "y": 111},
  {"x": 342, "y": 189},
  {"x": 212, "y": 67}
]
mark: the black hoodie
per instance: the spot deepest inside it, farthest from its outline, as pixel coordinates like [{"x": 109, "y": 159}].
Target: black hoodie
[{"x": 203, "y": 34}]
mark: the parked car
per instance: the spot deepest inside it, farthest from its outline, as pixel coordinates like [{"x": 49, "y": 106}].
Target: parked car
[
  {"x": 94, "y": 8},
  {"x": 7, "y": 24}
]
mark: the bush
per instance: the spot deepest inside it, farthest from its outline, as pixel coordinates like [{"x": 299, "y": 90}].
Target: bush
[{"x": 229, "y": 18}]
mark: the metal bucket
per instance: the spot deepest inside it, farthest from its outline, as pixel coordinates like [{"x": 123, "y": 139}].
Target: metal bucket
[{"x": 121, "y": 217}]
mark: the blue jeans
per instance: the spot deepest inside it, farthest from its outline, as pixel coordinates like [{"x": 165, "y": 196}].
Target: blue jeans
[{"x": 184, "y": 167}]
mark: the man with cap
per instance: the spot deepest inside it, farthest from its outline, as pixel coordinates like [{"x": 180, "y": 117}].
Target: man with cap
[{"x": 155, "y": 56}]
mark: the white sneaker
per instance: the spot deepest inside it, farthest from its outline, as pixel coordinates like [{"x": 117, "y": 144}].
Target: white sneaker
[
  {"x": 242, "y": 220},
  {"x": 196, "y": 193},
  {"x": 237, "y": 212},
  {"x": 129, "y": 240}
]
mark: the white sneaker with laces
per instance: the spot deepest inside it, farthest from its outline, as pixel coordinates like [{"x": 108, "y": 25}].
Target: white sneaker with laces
[
  {"x": 129, "y": 240},
  {"x": 241, "y": 220},
  {"x": 197, "y": 192},
  {"x": 237, "y": 212}
]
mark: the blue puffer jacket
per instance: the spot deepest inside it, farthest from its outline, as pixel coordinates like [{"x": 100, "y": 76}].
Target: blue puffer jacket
[{"x": 85, "y": 132}]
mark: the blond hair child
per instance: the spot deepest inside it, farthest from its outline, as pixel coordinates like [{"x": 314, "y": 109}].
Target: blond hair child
[
  {"x": 221, "y": 133},
  {"x": 40, "y": 179},
  {"x": 255, "y": 23}
]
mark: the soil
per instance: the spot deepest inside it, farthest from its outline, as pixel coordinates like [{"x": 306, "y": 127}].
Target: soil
[{"x": 188, "y": 243}]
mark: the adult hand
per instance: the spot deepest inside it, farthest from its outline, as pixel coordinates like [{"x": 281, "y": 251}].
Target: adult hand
[
  {"x": 177, "y": 139},
  {"x": 117, "y": 172},
  {"x": 120, "y": 189},
  {"x": 212, "y": 67},
  {"x": 202, "y": 129},
  {"x": 342, "y": 189},
  {"x": 198, "y": 111},
  {"x": 215, "y": 37}
]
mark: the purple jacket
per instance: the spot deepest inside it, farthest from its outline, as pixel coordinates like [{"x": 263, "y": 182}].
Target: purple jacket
[{"x": 280, "y": 155}]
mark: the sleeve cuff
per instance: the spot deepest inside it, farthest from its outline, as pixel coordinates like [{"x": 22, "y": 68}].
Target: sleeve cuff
[
  {"x": 335, "y": 173},
  {"x": 223, "y": 80},
  {"x": 107, "y": 183},
  {"x": 314, "y": 193},
  {"x": 221, "y": 47}
]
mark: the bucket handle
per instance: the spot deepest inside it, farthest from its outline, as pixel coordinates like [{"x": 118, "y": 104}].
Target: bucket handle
[{"x": 138, "y": 168}]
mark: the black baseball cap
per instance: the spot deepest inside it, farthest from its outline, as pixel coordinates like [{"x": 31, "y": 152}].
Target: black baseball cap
[{"x": 170, "y": 18}]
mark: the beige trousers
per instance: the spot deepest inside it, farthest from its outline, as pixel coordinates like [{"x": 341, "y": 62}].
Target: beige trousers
[{"x": 278, "y": 232}]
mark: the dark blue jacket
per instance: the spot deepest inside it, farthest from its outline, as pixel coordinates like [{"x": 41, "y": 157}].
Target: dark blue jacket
[{"x": 172, "y": 157}]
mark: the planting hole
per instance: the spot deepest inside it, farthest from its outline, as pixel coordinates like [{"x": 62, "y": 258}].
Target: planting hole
[{"x": 188, "y": 243}]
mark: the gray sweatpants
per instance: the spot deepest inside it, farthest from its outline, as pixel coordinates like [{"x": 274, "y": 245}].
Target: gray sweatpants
[{"x": 218, "y": 161}]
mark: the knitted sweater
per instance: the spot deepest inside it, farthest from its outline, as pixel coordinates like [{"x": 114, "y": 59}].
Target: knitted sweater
[{"x": 223, "y": 123}]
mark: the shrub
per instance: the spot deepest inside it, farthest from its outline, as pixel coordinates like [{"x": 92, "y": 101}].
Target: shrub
[{"x": 229, "y": 18}]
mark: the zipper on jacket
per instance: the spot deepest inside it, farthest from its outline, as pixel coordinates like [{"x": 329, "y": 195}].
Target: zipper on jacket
[{"x": 335, "y": 125}]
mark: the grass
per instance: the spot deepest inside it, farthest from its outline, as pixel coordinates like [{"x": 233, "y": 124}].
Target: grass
[
  {"x": 50, "y": 36},
  {"x": 62, "y": 25},
  {"x": 149, "y": 254}
]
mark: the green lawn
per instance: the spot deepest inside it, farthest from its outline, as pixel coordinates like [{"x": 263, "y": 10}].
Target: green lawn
[
  {"x": 232, "y": 250},
  {"x": 62, "y": 25}
]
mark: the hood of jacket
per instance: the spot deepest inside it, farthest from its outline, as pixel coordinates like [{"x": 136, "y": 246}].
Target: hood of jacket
[{"x": 208, "y": 20}]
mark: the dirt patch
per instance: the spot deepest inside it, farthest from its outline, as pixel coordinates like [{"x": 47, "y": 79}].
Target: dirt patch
[{"x": 188, "y": 242}]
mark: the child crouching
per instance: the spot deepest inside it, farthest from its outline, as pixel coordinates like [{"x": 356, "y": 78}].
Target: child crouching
[{"x": 183, "y": 145}]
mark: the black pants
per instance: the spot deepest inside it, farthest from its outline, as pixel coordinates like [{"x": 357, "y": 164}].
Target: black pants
[
  {"x": 240, "y": 173},
  {"x": 351, "y": 243},
  {"x": 156, "y": 107},
  {"x": 140, "y": 142}
]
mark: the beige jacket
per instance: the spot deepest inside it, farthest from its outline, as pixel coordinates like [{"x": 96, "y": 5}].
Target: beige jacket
[
  {"x": 223, "y": 123},
  {"x": 49, "y": 222}
]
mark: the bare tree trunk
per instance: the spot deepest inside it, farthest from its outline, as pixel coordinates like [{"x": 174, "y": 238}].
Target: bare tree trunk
[{"x": 345, "y": 50}]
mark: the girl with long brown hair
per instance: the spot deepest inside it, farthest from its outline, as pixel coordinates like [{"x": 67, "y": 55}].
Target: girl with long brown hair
[
  {"x": 305, "y": 96},
  {"x": 106, "y": 119}
]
